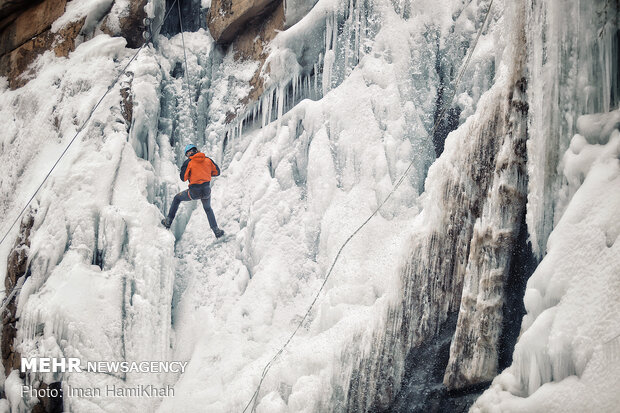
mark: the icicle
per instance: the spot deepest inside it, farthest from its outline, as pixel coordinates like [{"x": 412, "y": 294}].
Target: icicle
[
  {"x": 327, "y": 34},
  {"x": 264, "y": 110},
  {"x": 328, "y": 64},
  {"x": 280, "y": 92},
  {"x": 270, "y": 105},
  {"x": 316, "y": 78},
  {"x": 334, "y": 33}
]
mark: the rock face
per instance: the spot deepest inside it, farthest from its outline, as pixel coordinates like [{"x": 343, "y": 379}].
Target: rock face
[
  {"x": 227, "y": 18},
  {"x": 251, "y": 45},
  {"x": 15, "y": 64},
  {"x": 31, "y": 23},
  {"x": 8, "y": 8},
  {"x": 130, "y": 25},
  {"x": 475, "y": 232},
  {"x": 25, "y": 33},
  {"x": 248, "y": 27},
  {"x": 474, "y": 352},
  {"x": 17, "y": 267}
]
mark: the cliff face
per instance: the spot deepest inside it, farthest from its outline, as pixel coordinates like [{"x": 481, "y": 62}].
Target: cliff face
[
  {"x": 459, "y": 265},
  {"x": 27, "y": 30},
  {"x": 25, "y": 34},
  {"x": 17, "y": 272},
  {"x": 248, "y": 27},
  {"x": 228, "y": 18},
  {"x": 314, "y": 110}
]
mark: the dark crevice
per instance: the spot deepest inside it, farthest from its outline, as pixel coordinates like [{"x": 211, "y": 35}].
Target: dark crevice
[
  {"x": 522, "y": 266},
  {"x": 225, "y": 142},
  {"x": 271, "y": 168},
  {"x": 178, "y": 71},
  {"x": 98, "y": 258},
  {"x": 422, "y": 385},
  {"x": 194, "y": 17},
  {"x": 615, "y": 89},
  {"x": 53, "y": 403},
  {"x": 449, "y": 119},
  {"x": 422, "y": 389}
]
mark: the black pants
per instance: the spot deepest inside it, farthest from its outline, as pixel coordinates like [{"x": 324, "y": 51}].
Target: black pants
[{"x": 197, "y": 191}]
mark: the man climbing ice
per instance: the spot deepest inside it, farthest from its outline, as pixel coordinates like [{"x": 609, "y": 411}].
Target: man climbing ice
[{"x": 198, "y": 169}]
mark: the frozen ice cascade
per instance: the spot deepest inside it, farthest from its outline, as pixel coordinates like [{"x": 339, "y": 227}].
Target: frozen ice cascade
[{"x": 423, "y": 309}]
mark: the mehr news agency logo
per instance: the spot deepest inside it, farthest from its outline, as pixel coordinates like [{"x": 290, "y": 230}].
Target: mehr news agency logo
[{"x": 74, "y": 365}]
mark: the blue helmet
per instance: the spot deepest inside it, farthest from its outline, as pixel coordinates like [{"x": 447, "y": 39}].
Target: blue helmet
[{"x": 190, "y": 146}]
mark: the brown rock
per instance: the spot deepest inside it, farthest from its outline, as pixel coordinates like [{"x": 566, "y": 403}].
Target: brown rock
[
  {"x": 131, "y": 24},
  {"x": 49, "y": 404},
  {"x": 17, "y": 267},
  {"x": 250, "y": 45},
  {"x": 65, "y": 39},
  {"x": 10, "y": 10},
  {"x": 30, "y": 23},
  {"x": 127, "y": 101},
  {"x": 226, "y": 18},
  {"x": 15, "y": 64},
  {"x": 25, "y": 35}
]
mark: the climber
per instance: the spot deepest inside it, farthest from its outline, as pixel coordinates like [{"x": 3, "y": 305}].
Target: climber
[{"x": 198, "y": 169}]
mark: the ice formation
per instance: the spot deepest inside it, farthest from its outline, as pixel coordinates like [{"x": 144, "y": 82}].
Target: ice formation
[{"x": 352, "y": 92}]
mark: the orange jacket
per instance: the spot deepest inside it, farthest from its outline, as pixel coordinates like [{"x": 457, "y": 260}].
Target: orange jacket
[{"x": 199, "y": 169}]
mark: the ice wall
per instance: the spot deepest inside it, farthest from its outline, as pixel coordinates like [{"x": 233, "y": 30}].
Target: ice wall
[
  {"x": 288, "y": 191},
  {"x": 460, "y": 255},
  {"x": 474, "y": 352},
  {"x": 352, "y": 93},
  {"x": 482, "y": 251},
  {"x": 100, "y": 274},
  {"x": 321, "y": 50},
  {"x": 573, "y": 69},
  {"x": 566, "y": 357},
  {"x": 300, "y": 175}
]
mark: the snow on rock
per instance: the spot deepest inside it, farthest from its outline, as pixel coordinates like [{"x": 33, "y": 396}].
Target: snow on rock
[
  {"x": 92, "y": 11},
  {"x": 567, "y": 359},
  {"x": 101, "y": 266},
  {"x": 352, "y": 94},
  {"x": 474, "y": 351},
  {"x": 227, "y": 18}
]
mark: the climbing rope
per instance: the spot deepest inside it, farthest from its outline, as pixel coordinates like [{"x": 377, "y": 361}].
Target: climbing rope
[
  {"x": 189, "y": 89},
  {"x": 84, "y": 124},
  {"x": 254, "y": 399},
  {"x": 17, "y": 286}
]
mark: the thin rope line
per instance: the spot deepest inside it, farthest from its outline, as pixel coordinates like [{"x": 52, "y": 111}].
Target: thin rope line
[
  {"x": 82, "y": 127},
  {"x": 189, "y": 89},
  {"x": 267, "y": 367},
  {"x": 612, "y": 339},
  {"x": 14, "y": 290}
]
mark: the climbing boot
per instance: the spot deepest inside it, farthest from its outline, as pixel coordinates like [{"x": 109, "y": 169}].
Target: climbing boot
[
  {"x": 166, "y": 222},
  {"x": 218, "y": 233}
]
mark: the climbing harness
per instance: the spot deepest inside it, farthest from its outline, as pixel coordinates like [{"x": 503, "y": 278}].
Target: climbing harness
[
  {"x": 77, "y": 133},
  {"x": 254, "y": 399}
]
